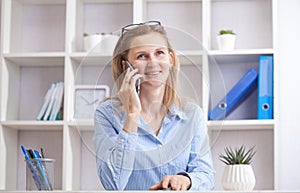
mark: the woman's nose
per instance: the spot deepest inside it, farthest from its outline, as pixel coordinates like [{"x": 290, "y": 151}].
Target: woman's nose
[{"x": 152, "y": 60}]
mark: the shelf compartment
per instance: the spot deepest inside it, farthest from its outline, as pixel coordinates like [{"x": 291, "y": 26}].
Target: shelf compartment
[
  {"x": 263, "y": 140},
  {"x": 89, "y": 70},
  {"x": 91, "y": 18},
  {"x": 53, "y": 148},
  {"x": 225, "y": 72},
  {"x": 184, "y": 28},
  {"x": 82, "y": 171},
  {"x": 89, "y": 178},
  {"x": 31, "y": 139},
  {"x": 37, "y": 26},
  {"x": 19, "y": 102},
  {"x": 239, "y": 16}
]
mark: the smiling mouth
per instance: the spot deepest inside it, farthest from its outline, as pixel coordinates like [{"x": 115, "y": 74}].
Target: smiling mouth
[{"x": 152, "y": 73}]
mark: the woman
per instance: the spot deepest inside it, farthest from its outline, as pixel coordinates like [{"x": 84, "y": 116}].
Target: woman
[{"x": 147, "y": 137}]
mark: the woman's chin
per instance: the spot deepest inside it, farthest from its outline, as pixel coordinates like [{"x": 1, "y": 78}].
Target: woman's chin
[{"x": 153, "y": 83}]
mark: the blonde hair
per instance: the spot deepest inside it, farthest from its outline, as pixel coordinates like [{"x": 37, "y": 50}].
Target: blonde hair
[{"x": 121, "y": 52}]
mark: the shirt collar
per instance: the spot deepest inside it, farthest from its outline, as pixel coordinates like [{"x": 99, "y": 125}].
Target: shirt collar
[{"x": 175, "y": 111}]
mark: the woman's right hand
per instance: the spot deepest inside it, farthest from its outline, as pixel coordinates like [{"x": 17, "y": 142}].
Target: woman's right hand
[{"x": 127, "y": 93}]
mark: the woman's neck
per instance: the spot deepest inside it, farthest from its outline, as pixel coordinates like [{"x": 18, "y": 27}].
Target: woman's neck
[{"x": 152, "y": 102}]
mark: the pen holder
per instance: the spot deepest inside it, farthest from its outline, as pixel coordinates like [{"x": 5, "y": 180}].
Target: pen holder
[{"x": 40, "y": 174}]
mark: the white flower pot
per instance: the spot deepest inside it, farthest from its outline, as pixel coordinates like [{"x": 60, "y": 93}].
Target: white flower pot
[
  {"x": 238, "y": 177},
  {"x": 226, "y": 42},
  {"x": 99, "y": 43},
  {"x": 91, "y": 41},
  {"x": 108, "y": 43}
]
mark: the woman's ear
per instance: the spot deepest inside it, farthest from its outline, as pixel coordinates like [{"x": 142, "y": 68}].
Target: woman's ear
[
  {"x": 123, "y": 65},
  {"x": 172, "y": 58}
]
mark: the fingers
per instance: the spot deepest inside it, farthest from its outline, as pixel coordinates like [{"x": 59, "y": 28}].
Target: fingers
[
  {"x": 184, "y": 187},
  {"x": 175, "y": 182},
  {"x": 162, "y": 185},
  {"x": 131, "y": 77},
  {"x": 127, "y": 93},
  {"x": 156, "y": 186},
  {"x": 165, "y": 182},
  {"x": 133, "y": 82}
]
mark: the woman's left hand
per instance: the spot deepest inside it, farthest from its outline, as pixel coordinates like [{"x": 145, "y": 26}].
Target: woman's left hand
[{"x": 175, "y": 182}]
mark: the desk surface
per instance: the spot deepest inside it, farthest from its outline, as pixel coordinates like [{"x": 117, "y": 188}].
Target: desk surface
[{"x": 83, "y": 191}]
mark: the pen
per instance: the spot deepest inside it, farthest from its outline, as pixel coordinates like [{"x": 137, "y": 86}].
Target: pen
[
  {"x": 42, "y": 152},
  {"x": 36, "y": 177},
  {"x": 42, "y": 170}
]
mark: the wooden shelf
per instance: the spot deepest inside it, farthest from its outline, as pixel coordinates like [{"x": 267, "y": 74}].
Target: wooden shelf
[
  {"x": 242, "y": 52},
  {"x": 186, "y": 57},
  {"x": 240, "y": 125},
  {"x": 34, "y": 125},
  {"x": 37, "y": 59},
  {"x": 82, "y": 125}
]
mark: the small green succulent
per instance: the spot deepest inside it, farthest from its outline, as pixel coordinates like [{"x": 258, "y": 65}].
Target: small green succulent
[
  {"x": 222, "y": 32},
  {"x": 237, "y": 156}
]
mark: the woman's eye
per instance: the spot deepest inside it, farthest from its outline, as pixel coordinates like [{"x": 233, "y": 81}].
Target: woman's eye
[
  {"x": 160, "y": 52},
  {"x": 141, "y": 56}
]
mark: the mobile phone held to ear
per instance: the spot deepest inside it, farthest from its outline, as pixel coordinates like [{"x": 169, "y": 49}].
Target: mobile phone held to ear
[{"x": 138, "y": 84}]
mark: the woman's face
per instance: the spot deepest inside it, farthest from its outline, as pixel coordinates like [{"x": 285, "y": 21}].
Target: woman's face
[{"x": 150, "y": 55}]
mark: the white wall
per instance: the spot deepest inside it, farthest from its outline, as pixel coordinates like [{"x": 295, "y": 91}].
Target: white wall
[{"x": 288, "y": 131}]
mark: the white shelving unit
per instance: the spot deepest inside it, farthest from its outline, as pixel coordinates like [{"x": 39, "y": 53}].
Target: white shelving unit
[{"x": 42, "y": 42}]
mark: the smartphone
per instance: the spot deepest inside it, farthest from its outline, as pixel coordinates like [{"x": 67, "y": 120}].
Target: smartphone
[{"x": 138, "y": 84}]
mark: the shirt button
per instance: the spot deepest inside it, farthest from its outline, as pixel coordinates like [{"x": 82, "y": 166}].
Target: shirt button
[{"x": 122, "y": 140}]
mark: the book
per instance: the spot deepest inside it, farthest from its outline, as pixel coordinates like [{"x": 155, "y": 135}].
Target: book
[
  {"x": 51, "y": 108},
  {"x": 265, "y": 87},
  {"x": 57, "y": 101},
  {"x": 238, "y": 93},
  {"x": 51, "y": 102},
  {"x": 45, "y": 102}
]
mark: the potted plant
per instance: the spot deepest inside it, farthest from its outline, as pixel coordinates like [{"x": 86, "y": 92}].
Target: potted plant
[
  {"x": 238, "y": 173},
  {"x": 226, "y": 40}
]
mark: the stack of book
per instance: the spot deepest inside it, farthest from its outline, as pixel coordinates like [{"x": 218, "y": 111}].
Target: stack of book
[
  {"x": 52, "y": 105},
  {"x": 262, "y": 80}
]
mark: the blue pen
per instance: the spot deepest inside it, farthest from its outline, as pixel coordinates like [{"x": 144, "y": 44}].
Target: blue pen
[
  {"x": 36, "y": 177},
  {"x": 36, "y": 156},
  {"x": 42, "y": 169}
]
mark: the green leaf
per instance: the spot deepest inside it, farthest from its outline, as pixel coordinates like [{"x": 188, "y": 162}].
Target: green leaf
[
  {"x": 237, "y": 156},
  {"x": 228, "y": 31}
]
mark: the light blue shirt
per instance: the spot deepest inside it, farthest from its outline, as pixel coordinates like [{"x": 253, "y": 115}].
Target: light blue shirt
[{"x": 137, "y": 161}]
